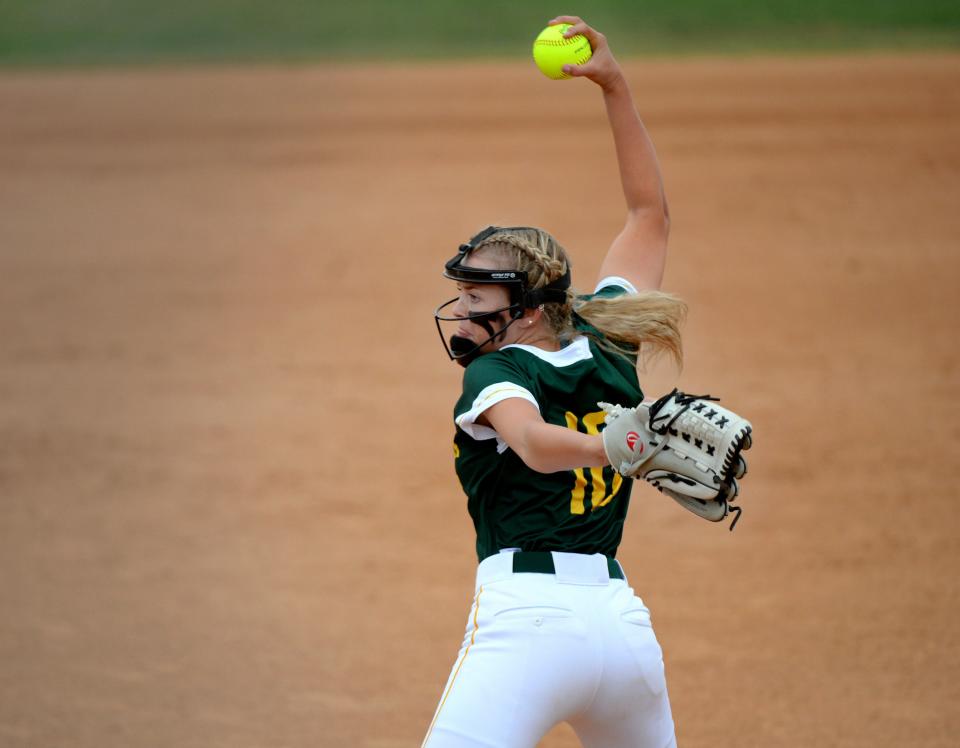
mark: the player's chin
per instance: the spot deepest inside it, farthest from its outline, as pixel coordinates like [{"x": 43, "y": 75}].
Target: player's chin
[
  {"x": 461, "y": 345},
  {"x": 466, "y": 349}
]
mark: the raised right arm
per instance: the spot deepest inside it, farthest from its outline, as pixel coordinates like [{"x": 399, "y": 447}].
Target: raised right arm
[{"x": 639, "y": 251}]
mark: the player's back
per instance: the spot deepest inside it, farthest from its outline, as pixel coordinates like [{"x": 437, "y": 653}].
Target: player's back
[{"x": 512, "y": 505}]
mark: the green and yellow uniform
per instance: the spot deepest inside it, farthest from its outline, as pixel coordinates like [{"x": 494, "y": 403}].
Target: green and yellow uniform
[{"x": 513, "y": 506}]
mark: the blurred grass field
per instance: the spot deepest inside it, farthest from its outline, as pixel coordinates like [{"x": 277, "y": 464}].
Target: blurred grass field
[{"x": 109, "y": 32}]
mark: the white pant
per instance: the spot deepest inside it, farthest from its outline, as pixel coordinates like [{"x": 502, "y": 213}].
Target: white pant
[{"x": 540, "y": 649}]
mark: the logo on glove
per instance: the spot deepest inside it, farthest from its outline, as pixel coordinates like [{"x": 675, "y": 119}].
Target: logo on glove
[{"x": 632, "y": 438}]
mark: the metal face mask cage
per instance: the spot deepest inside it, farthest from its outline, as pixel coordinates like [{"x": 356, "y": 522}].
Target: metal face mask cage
[{"x": 521, "y": 297}]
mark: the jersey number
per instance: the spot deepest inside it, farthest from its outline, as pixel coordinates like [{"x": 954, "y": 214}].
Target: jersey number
[{"x": 601, "y": 493}]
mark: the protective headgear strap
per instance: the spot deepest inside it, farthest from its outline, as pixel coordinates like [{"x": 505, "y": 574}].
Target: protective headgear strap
[{"x": 515, "y": 280}]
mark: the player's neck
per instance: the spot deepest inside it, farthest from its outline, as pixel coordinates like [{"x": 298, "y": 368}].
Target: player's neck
[{"x": 539, "y": 337}]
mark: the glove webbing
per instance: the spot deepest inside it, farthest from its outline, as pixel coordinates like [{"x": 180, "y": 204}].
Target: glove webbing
[
  {"x": 686, "y": 401},
  {"x": 682, "y": 399}
]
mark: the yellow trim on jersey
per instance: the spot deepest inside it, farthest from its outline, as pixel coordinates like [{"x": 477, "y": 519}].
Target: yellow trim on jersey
[
  {"x": 492, "y": 393},
  {"x": 456, "y": 672}
]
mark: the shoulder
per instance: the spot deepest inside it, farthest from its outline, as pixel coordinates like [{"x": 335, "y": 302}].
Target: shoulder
[
  {"x": 488, "y": 380},
  {"x": 495, "y": 366},
  {"x": 609, "y": 288},
  {"x": 493, "y": 376}
]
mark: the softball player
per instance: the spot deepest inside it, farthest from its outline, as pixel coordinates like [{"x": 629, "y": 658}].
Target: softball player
[{"x": 555, "y": 632}]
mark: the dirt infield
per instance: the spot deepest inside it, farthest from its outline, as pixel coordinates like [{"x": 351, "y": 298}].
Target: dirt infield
[{"x": 229, "y": 515}]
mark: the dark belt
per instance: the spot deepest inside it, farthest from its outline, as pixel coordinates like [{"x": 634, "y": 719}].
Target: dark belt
[{"x": 541, "y": 562}]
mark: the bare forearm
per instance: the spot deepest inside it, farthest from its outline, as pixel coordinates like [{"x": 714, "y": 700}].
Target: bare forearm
[
  {"x": 639, "y": 169},
  {"x": 547, "y": 448}
]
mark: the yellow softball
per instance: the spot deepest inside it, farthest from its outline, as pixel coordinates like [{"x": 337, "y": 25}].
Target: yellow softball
[{"x": 551, "y": 51}]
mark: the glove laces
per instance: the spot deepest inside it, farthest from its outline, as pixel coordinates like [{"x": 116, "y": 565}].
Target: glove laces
[{"x": 684, "y": 401}]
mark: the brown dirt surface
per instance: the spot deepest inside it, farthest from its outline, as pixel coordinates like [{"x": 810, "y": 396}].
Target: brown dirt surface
[{"x": 229, "y": 511}]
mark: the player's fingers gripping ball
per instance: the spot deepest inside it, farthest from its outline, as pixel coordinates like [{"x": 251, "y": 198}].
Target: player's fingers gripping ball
[{"x": 551, "y": 51}]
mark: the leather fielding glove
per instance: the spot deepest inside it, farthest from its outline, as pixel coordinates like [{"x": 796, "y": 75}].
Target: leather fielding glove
[{"x": 687, "y": 446}]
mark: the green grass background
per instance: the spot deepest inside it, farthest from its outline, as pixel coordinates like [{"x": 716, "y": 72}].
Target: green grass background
[{"x": 71, "y": 32}]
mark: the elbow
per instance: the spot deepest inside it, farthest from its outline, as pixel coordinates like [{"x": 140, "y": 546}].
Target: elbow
[
  {"x": 650, "y": 224},
  {"x": 536, "y": 462},
  {"x": 665, "y": 225},
  {"x": 657, "y": 217},
  {"x": 651, "y": 212},
  {"x": 528, "y": 446},
  {"x": 662, "y": 212},
  {"x": 538, "y": 459}
]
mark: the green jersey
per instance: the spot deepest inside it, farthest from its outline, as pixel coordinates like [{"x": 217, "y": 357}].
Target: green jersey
[{"x": 513, "y": 506}]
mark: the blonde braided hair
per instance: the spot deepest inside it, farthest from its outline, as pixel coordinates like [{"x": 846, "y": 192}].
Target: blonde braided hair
[{"x": 647, "y": 321}]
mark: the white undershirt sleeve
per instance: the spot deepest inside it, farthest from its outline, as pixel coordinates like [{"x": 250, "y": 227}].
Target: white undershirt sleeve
[
  {"x": 488, "y": 397},
  {"x": 615, "y": 280}
]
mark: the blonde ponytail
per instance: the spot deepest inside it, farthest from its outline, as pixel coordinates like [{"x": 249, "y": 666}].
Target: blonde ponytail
[
  {"x": 647, "y": 322},
  {"x": 630, "y": 324}
]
